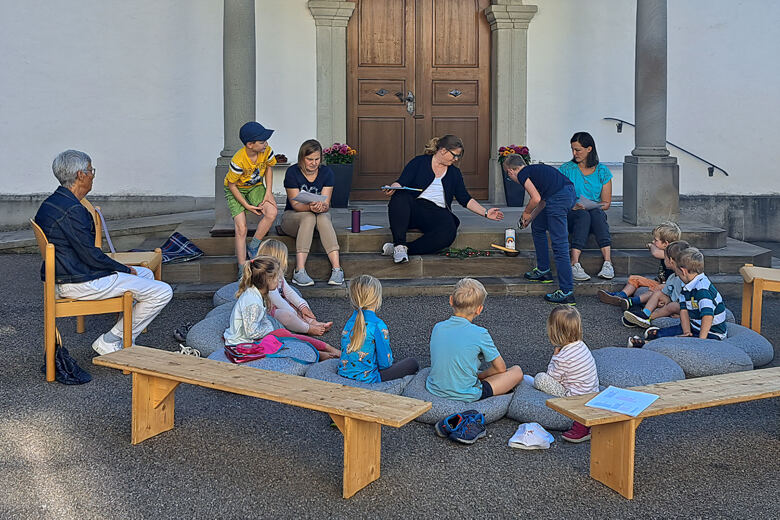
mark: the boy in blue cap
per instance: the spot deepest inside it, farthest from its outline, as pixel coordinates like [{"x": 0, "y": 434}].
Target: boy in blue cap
[{"x": 248, "y": 186}]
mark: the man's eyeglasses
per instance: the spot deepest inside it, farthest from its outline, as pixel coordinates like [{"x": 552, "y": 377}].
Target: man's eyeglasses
[
  {"x": 90, "y": 171},
  {"x": 456, "y": 156}
]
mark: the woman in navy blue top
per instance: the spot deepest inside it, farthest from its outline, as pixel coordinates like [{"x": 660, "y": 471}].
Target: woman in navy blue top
[
  {"x": 546, "y": 184},
  {"x": 429, "y": 207}
]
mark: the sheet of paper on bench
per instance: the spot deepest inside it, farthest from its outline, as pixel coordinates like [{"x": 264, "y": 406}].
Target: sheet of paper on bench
[
  {"x": 304, "y": 197},
  {"x": 588, "y": 204},
  {"x": 629, "y": 402}
]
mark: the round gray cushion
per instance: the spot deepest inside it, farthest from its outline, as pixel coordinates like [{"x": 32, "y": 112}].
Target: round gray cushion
[
  {"x": 225, "y": 308},
  {"x": 225, "y": 294},
  {"x": 293, "y": 347},
  {"x": 207, "y": 334},
  {"x": 328, "y": 371},
  {"x": 528, "y": 405},
  {"x": 756, "y": 346},
  {"x": 626, "y": 367},
  {"x": 493, "y": 408},
  {"x": 671, "y": 322},
  {"x": 702, "y": 357}
]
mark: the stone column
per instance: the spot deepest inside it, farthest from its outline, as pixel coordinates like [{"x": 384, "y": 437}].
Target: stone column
[
  {"x": 651, "y": 183},
  {"x": 239, "y": 95},
  {"x": 509, "y": 21},
  {"x": 330, "y": 20}
]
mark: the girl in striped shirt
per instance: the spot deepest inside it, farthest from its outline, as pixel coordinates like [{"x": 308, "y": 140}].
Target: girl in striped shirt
[{"x": 572, "y": 369}]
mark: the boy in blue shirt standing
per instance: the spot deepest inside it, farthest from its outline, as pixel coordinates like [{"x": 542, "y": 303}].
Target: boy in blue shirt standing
[{"x": 458, "y": 347}]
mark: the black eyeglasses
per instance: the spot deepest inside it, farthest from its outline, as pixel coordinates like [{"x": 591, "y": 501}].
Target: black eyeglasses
[{"x": 456, "y": 155}]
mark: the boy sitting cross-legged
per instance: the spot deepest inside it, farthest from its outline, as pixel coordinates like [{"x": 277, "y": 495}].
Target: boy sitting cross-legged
[
  {"x": 702, "y": 311},
  {"x": 663, "y": 235},
  {"x": 663, "y": 303}
]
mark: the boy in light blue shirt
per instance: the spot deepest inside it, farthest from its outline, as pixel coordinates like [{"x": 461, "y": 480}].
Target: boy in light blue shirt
[{"x": 458, "y": 347}]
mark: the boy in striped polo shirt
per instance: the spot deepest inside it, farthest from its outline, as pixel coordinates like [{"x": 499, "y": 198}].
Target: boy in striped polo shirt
[{"x": 702, "y": 311}]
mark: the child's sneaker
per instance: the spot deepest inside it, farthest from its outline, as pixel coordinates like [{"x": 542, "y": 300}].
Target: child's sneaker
[
  {"x": 302, "y": 278},
  {"x": 471, "y": 430},
  {"x": 637, "y": 318},
  {"x": 578, "y": 433},
  {"x": 636, "y": 342},
  {"x": 561, "y": 297},
  {"x": 613, "y": 299},
  {"x": 578, "y": 273},
  {"x": 607, "y": 271},
  {"x": 449, "y": 424},
  {"x": 537, "y": 275},
  {"x": 651, "y": 333},
  {"x": 627, "y": 323}
]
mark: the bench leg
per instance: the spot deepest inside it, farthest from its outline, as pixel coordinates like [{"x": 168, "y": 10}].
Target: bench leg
[
  {"x": 362, "y": 452},
  {"x": 758, "y": 301},
  {"x": 153, "y": 406},
  {"x": 612, "y": 455},
  {"x": 747, "y": 298}
]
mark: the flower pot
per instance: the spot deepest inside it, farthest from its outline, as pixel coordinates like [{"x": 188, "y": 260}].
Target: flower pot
[
  {"x": 515, "y": 193},
  {"x": 342, "y": 186}
]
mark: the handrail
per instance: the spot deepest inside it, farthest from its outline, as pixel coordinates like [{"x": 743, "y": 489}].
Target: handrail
[{"x": 710, "y": 169}]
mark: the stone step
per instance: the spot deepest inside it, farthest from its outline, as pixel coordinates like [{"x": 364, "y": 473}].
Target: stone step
[{"x": 223, "y": 268}]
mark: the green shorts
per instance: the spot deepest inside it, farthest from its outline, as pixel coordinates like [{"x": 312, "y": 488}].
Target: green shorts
[{"x": 253, "y": 196}]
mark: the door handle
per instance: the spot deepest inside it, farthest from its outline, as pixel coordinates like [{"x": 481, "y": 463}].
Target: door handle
[{"x": 410, "y": 103}]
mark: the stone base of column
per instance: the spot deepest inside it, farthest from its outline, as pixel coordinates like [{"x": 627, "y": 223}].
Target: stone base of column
[
  {"x": 651, "y": 190},
  {"x": 496, "y": 184},
  {"x": 223, "y": 222}
]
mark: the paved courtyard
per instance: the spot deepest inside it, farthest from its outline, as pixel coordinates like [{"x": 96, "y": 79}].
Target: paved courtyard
[{"x": 66, "y": 451}]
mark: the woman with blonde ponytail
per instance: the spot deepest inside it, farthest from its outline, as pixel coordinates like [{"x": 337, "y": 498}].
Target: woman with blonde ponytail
[
  {"x": 365, "y": 341},
  {"x": 428, "y": 207},
  {"x": 249, "y": 322}
]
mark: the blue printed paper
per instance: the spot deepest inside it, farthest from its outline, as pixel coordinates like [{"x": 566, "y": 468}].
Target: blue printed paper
[{"x": 629, "y": 402}]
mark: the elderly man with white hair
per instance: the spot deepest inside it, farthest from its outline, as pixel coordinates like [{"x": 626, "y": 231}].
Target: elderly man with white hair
[{"x": 82, "y": 270}]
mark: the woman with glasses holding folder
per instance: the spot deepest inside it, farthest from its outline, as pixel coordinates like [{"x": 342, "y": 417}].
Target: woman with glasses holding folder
[{"x": 422, "y": 198}]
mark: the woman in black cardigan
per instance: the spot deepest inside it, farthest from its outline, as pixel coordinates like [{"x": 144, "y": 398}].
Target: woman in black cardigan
[{"x": 429, "y": 210}]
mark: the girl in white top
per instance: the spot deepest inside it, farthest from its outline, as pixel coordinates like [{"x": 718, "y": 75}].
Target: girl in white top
[
  {"x": 249, "y": 319},
  {"x": 287, "y": 305}
]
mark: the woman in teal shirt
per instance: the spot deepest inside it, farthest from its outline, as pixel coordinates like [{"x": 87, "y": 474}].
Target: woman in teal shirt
[{"x": 592, "y": 181}]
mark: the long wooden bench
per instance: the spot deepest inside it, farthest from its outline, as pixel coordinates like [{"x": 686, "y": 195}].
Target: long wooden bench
[
  {"x": 358, "y": 413},
  {"x": 613, "y": 434}
]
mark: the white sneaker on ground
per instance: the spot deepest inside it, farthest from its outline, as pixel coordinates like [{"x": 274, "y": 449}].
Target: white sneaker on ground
[
  {"x": 578, "y": 273},
  {"x": 102, "y": 346},
  {"x": 607, "y": 271},
  {"x": 188, "y": 351},
  {"x": 387, "y": 249},
  {"x": 400, "y": 254}
]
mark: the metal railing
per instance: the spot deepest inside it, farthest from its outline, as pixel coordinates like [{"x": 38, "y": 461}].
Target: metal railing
[{"x": 711, "y": 166}]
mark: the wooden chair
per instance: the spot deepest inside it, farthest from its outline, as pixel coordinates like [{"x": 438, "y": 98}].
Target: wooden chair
[
  {"x": 150, "y": 259},
  {"x": 54, "y": 307},
  {"x": 756, "y": 280}
]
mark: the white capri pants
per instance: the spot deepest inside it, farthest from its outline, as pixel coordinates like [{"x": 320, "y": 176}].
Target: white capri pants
[{"x": 150, "y": 295}]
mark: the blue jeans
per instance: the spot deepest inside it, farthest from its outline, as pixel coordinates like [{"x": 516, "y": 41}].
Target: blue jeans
[
  {"x": 583, "y": 222},
  {"x": 552, "y": 219},
  {"x": 676, "y": 330}
]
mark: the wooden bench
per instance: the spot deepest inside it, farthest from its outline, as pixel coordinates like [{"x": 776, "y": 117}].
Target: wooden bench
[
  {"x": 613, "y": 434},
  {"x": 358, "y": 413}
]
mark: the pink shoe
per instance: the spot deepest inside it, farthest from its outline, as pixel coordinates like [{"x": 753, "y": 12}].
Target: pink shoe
[{"x": 578, "y": 433}]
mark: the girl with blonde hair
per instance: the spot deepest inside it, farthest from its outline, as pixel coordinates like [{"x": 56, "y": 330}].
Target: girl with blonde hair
[
  {"x": 287, "y": 305},
  {"x": 365, "y": 340}
]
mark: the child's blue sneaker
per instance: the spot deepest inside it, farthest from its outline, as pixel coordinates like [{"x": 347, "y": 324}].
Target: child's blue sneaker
[
  {"x": 470, "y": 430},
  {"x": 449, "y": 424}
]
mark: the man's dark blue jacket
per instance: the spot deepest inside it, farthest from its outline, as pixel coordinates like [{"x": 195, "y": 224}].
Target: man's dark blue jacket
[{"x": 69, "y": 226}]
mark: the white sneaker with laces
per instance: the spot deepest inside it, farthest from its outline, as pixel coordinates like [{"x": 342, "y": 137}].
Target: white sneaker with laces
[
  {"x": 102, "y": 346},
  {"x": 188, "y": 351},
  {"x": 578, "y": 273},
  {"x": 400, "y": 254},
  {"x": 607, "y": 271},
  {"x": 387, "y": 249}
]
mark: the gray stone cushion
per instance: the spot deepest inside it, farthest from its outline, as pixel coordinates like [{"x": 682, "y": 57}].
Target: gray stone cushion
[
  {"x": 225, "y": 308},
  {"x": 225, "y": 294},
  {"x": 493, "y": 408},
  {"x": 702, "y": 357},
  {"x": 671, "y": 322},
  {"x": 529, "y": 405},
  {"x": 328, "y": 371},
  {"x": 626, "y": 367},
  {"x": 293, "y": 347},
  {"x": 207, "y": 334},
  {"x": 756, "y": 346}
]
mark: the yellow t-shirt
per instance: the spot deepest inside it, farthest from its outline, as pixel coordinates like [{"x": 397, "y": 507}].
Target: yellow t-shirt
[{"x": 245, "y": 173}]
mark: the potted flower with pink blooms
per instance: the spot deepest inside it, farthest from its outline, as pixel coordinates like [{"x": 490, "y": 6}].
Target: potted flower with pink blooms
[{"x": 340, "y": 157}]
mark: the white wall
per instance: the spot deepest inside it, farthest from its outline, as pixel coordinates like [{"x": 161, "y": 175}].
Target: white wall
[{"x": 722, "y": 94}]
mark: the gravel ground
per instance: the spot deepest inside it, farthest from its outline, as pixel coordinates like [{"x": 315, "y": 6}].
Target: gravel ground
[{"x": 66, "y": 450}]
